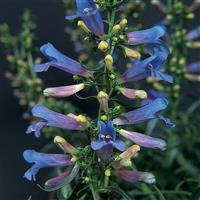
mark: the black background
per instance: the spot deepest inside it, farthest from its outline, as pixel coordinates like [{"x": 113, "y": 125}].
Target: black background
[{"x": 49, "y": 16}]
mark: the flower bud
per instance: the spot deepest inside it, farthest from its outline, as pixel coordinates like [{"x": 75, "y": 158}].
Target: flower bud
[
  {"x": 83, "y": 121},
  {"x": 74, "y": 159},
  {"x": 64, "y": 145},
  {"x": 82, "y": 25},
  {"x": 132, "y": 53},
  {"x": 116, "y": 28},
  {"x": 123, "y": 23},
  {"x": 130, "y": 152},
  {"x": 104, "y": 118},
  {"x": 103, "y": 100},
  {"x": 103, "y": 46},
  {"x": 109, "y": 62},
  {"x": 107, "y": 173},
  {"x": 133, "y": 94}
]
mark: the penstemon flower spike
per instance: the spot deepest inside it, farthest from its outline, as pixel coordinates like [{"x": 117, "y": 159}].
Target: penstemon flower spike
[{"x": 106, "y": 154}]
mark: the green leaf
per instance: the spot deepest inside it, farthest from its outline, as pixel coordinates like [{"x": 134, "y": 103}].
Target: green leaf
[
  {"x": 160, "y": 195},
  {"x": 68, "y": 180},
  {"x": 30, "y": 197}
]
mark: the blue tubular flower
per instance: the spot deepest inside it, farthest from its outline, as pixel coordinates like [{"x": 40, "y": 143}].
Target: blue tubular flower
[
  {"x": 194, "y": 34},
  {"x": 193, "y": 68},
  {"x": 151, "y": 35},
  {"x": 51, "y": 118},
  {"x": 145, "y": 113},
  {"x": 106, "y": 141},
  {"x": 152, "y": 95},
  {"x": 60, "y": 61},
  {"x": 88, "y": 12},
  {"x": 42, "y": 160},
  {"x": 135, "y": 176},
  {"x": 148, "y": 67}
]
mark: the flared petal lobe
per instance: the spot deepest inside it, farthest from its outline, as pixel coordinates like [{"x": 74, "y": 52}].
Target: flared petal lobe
[
  {"x": 43, "y": 160},
  {"x": 64, "y": 91},
  {"x": 144, "y": 113},
  {"x": 144, "y": 140},
  {"x": 60, "y": 61},
  {"x": 150, "y": 35},
  {"x": 51, "y": 118},
  {"x": 135, "y": 176},
  {"x": 106, "y": 141}
]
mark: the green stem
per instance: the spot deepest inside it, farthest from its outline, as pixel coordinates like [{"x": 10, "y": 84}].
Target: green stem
[{"x": 95, "y": 194}]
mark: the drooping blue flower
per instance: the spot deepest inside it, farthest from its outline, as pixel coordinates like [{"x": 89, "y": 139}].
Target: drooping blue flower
[
  {"x": 43, "y": 160},
  {"x": 145, "y": 113},
  {"x": 88, "y": 12},
  {"x": 51, "y": 118},
  {"x": 151, "y": 35},
  {"x": 152, "y": 95},
  {"x": 151, "y": 66},
  {"x": 106, "y": 141},
  {"x": 60, "y": 61}
]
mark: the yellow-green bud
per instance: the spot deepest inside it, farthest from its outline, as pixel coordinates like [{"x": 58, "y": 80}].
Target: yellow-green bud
[
  {"x": 190, "y": 16},
  {"x": 83, "y": 121},
  {"x": 132, "y": 53},
  {"x": 123, "y": 23},
  {"x": 104, "y": 118},
  {"x": 103, "y": 46},
  {"x": 103, "y": 100},
  {"x": 109, "y": 62},
  {"x": 64, "y": 145},
  {"x": 74, "y": 159},
  {"x": 116, "y": 28},
  {"x": 107, "y": 172}
]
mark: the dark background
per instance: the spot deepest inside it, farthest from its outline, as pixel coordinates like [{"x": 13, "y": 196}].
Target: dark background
[{"x": 49, "y": 16}]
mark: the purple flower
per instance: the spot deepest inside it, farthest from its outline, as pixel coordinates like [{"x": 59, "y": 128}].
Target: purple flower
[
  {"x": 145, "y": 113},
  {"x": 194, "y": 34},
  {"x": 51, "y": 118},
  {"x": 43, "y": 160},
  {"x": 58, "y": 180},
  {"x": 106, "y": 141},
  {"x": 151, "y": 35},
  {"x": 150, "y": 66},
  {"x": 60, "y": 61},
  {"x": 63, "y": 91},
  {"x": 88, "y": 12},
  {"x": 135, "y": 176},
  {"x": 144, "y": 140},
  {"x": 152, "y": 95},
  {"x": 193, "y": 68}
]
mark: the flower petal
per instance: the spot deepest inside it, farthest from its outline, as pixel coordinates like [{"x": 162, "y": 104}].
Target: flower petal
[
  {"x": 119, "y": 144},
  {"x": 142, "y": 114},
  {"x": 193, "y": 68},
  {"x": 51, "y": 118},
  {"x": 43, "y": 160},
  {"x": 64, "y": 91},
  {"x": 105, "y": 152},
  {"x": 96, "y": 145},
  {"x": 58, "y": 180},
  {"x": 135, "y": 176},
  {"x": 58, "y": 60},
  {"x": 146, "y": 36},
  {"x": 144, "y": 140},
  {"x": 193, "y": 34}
]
